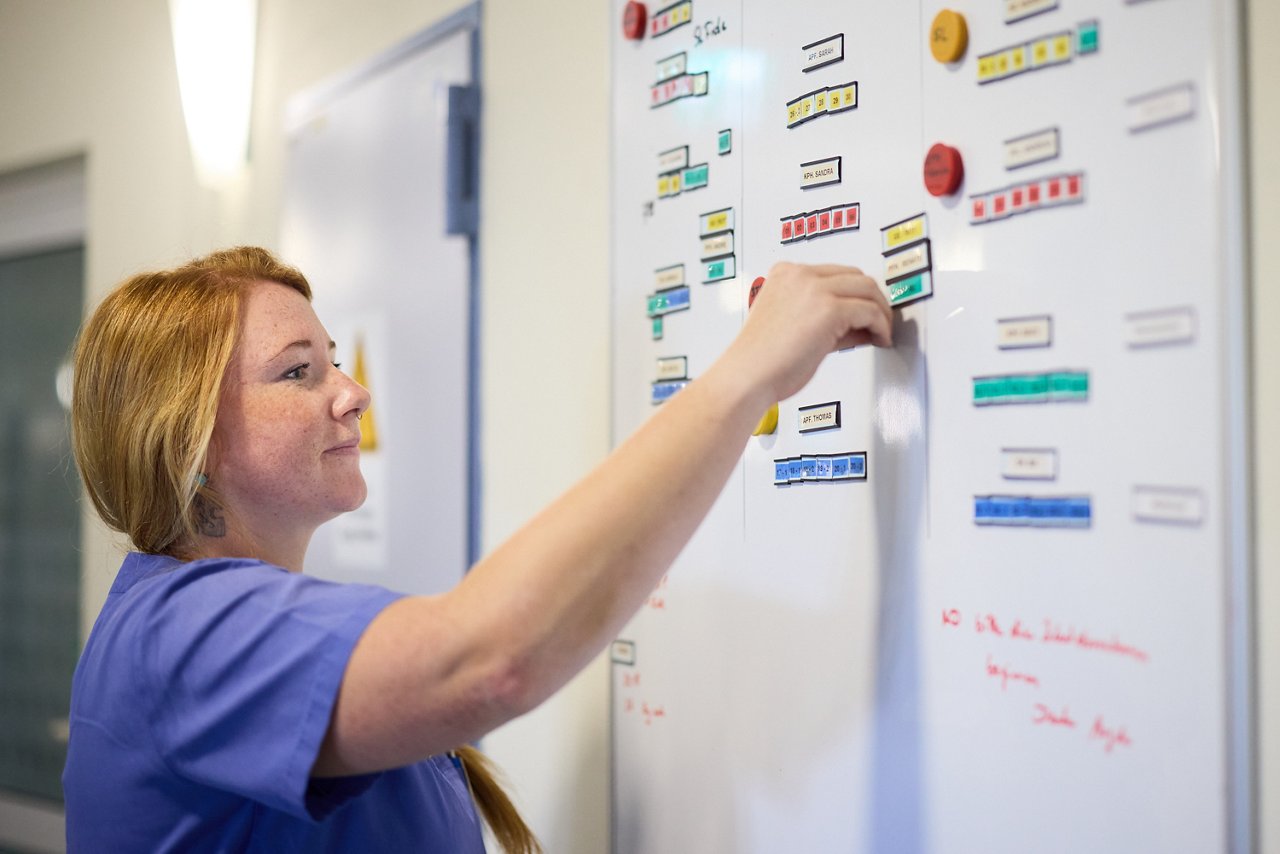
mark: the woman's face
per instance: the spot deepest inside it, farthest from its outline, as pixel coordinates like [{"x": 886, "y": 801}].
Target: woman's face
[{"x": 285, "y": 453}]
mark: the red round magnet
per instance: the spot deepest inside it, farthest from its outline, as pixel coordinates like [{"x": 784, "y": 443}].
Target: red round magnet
[
  {"x": 943, "y": 170},
  {"x": 634, "y": 18},
  {"x": 755, "y": 290}
]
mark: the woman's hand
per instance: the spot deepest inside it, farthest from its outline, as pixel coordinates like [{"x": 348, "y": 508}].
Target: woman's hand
[{"x": 803, "y": 313}]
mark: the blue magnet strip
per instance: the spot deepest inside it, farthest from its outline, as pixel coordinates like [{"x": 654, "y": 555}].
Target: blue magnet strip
[
  {"x": 1073, "y": 511},
  {"x": 667, "y": 301},
  {"x": 820, "y": 468},
  {"x": 840, "y": 468},
  {"x": 857, "y": 466},
  {"x": 665, "y": 388}
]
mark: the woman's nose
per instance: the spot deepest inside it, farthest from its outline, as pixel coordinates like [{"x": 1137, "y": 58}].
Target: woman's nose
[{"x": 352, "y": 397}]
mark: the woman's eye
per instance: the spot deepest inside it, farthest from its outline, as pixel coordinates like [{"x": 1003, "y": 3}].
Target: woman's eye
[{"x": 297, "y": 373}]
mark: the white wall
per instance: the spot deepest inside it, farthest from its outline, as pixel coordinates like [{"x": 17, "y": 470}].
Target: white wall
[{"x": 98, "y": 79}]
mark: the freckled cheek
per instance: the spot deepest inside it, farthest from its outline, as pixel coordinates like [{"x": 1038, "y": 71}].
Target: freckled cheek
[{"x": 279, "y": 445}]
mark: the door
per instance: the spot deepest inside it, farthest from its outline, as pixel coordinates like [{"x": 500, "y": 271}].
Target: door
[{"x": 379, "y": 213}]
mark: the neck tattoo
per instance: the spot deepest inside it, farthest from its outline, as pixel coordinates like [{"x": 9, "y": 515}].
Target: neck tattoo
[{"x": 209, "y": 519}]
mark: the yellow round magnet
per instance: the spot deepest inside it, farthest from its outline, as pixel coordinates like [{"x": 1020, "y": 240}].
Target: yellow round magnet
[
  {"x": 948, "y": 36},
  {"x": 768, "y": 424}
]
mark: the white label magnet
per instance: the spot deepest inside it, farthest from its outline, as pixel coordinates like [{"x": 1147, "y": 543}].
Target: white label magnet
[
  {"x": 673, "y": 159},
  {"x": 673, "y": 368},
  {"x": 668, "y": 277},
  {"x": 904, "y": 262},
  {"x": 819, "y": 416},
  {"x": 623, "y": 652},
  {"x": 1168, "y": 505},
  {"x": 820, "y": 173},
  {"x": 1016, "y": 333},
  {"x": 672, "y": 66},
  {"x": 1160, "y": 108},
  {"x": 1016, "y": 10},
  {"x": 717, "y": 246},
  {"x": 1032, "y": 148},
  {"x": 1156, "y": 328},
  {"x": 1028, "y": 463},
  {"x": 822, "y": 53}
]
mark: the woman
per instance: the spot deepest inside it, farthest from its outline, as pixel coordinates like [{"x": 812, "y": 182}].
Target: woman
[{"x": 227, "y": 702}]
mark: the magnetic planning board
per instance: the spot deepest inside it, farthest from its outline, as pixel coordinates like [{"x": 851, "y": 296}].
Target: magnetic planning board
[{"x": 983, "y": 591}]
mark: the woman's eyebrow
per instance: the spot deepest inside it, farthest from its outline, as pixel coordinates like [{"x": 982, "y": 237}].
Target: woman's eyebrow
[{"x": 303, "y": 343}]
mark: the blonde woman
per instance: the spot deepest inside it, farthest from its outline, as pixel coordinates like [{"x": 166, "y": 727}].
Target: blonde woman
[{"x": 225, "y": 701}]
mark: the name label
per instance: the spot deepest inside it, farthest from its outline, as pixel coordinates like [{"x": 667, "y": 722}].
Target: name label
[
  {"x": 672, "y": 66},
  {"x": 822, "y": 53},
  {"x": 820, "y": 173},
  {"x": 717, "y": 246},
  {"x": 1033, "y": 148},
  {"x": 673, "y": 160},
  {"x": 907, "y": 261},
  {"x": 1156, "y": 328},
  {"x": 623, "y": 652},
  {"x": 1016, "y": 10},
  {"x": 1160, "y": 108},
  {"x": 1019, "y": 333},
  {"x": 673, "y": 368},
  {"x": 1028, "y": 463},
  {"x": 819, "y": 416},
  {"x": 1168, "y": 505},
  {"x": 668, "y": 277}
]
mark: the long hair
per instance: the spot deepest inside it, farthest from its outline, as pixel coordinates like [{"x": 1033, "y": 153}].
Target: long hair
[{"x": 148, "y": 372}]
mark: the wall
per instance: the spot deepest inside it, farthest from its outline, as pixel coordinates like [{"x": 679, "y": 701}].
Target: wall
[{"x": 97, "y": 78}]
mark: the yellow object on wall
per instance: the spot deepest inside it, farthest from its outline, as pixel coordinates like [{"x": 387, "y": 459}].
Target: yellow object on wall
[{"x": 368, "y": 426}]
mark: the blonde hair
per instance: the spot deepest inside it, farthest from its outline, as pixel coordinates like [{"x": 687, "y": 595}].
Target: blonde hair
[{"x": 148, "y": 372}]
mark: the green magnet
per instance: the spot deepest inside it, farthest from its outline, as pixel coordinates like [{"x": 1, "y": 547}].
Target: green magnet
[
  {"x": 695, "y": 177},
  {"x": 1087, "y": 38}
]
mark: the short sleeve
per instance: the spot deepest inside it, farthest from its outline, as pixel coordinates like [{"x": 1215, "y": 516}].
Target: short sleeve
[{"x": 244, "y": 661}]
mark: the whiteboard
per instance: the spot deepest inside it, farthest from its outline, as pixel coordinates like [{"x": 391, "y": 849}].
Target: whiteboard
[
  {"x": 1021, "y": 630},
  {"x": 364, "y": 218}
]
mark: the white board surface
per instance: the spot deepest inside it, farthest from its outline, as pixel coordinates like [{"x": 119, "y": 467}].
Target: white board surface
[{"x": 945, "y": 656}]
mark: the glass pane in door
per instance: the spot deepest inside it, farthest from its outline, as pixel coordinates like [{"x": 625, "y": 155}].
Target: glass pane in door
[{"x": 41, "y": 301}]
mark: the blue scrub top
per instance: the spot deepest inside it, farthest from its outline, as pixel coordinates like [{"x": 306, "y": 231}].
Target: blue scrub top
[{"x": 199, "y": 706}]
